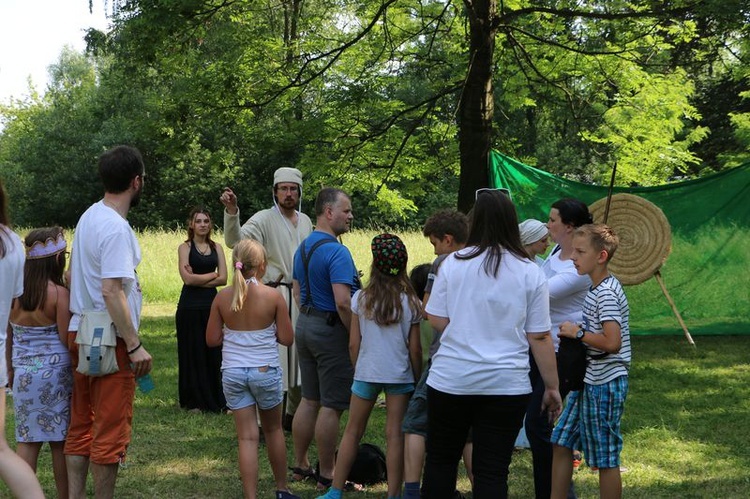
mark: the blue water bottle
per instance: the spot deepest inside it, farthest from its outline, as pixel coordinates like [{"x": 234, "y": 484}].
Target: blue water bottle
[{"x": 145, "y": 383}]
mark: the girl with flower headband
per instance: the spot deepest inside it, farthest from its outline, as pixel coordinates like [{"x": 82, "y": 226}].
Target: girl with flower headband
[
  {"x": 248, "y": 319},
  {"x": 41, "y": 375},
  {"x": 386, "y": 350}
]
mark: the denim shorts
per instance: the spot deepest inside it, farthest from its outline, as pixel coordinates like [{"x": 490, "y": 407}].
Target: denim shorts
[
  {"x": 370, "y": 391},
  {"x": 415, "y": 419},
  {"x": 246, "y": 386}
]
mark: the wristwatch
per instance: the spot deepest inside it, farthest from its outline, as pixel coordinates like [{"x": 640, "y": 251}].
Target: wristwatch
[{"x": 580, "y": 333}]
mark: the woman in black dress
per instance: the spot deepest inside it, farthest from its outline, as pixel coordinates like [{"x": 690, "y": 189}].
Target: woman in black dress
[{"x": 202, "y": 268}]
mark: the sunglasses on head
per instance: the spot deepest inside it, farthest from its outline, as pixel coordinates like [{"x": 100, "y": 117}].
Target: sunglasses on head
[{"x": 492, "y": 189}]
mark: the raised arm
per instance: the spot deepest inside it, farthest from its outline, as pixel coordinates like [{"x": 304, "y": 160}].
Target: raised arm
[{"x": 231, "y": 217}]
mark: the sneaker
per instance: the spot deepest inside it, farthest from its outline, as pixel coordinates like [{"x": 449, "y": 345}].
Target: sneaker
[{"x": 285, "y": 494}]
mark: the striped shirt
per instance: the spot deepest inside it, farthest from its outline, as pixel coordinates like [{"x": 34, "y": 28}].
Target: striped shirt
[{"x": 607, "y": 302}]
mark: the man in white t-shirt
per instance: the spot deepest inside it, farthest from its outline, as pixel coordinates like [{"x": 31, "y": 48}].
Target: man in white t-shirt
[{"x": 102, "y": 266}]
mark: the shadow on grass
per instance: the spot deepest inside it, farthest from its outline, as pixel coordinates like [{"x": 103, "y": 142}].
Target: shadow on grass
[
  {"x": 687, "y": 410},
  {"x": 665, "y": 327}
]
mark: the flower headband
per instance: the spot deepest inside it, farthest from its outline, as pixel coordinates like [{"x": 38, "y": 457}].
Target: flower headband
[{"x": 50, "y": 247}]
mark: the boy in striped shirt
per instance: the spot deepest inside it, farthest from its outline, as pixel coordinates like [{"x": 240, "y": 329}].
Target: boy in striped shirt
[{"x": 591, "y": 419}]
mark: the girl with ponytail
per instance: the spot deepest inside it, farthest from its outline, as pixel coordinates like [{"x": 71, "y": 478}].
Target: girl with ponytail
[{"x": 248, "y": 319}]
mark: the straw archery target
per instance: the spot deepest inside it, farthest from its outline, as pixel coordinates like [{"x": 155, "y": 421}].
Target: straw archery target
[{"x": 644, "y": 232}]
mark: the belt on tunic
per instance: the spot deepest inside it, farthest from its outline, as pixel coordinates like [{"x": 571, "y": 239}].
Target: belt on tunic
[{"x": 275, "y": 284}]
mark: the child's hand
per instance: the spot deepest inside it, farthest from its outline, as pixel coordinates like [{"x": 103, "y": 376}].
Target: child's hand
[
  {"x": 552, "y": 403},
  {"x": 568, "y": 330}
]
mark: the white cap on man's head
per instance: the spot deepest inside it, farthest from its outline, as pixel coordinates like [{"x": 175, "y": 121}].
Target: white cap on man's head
[
  {"x": 286, "y": 174},
  {"x": 532, "y": 231}
]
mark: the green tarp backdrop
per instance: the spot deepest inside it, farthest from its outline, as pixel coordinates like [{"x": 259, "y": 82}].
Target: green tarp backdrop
[{"x": 710, "y": 220}]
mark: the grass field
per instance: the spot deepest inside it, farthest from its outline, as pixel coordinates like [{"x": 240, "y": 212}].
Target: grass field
[{"x": 685, "y": 424}]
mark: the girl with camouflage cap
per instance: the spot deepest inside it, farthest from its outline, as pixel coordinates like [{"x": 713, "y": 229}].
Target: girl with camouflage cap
[{"x": 386, "y": 350}]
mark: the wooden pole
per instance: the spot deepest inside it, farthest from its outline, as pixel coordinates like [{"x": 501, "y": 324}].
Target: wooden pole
[
  {"x": 659, "y": 279},
  {"x": 609, "y": 192}
]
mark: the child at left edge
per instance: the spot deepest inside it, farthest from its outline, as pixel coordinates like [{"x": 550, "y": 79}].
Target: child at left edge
[
  {"x": 591, "y": 419},
  {"x": 386, "y": 350}
]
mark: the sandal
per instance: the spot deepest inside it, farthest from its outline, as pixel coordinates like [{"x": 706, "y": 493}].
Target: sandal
[
  {"x": 323, "y": 483},
  {"x": 302, "y": 474},
  {"x": 353, "y": 487}
]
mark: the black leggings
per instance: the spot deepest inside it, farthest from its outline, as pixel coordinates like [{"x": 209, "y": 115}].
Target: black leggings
[{"x": 495, "y": 421}]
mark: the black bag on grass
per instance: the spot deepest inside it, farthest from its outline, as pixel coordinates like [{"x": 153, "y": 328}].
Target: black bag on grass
[{"x": 369, "y": 467}]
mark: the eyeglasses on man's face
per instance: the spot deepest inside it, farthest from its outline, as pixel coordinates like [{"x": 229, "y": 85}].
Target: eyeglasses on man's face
[{"x": 492, "y": 189}]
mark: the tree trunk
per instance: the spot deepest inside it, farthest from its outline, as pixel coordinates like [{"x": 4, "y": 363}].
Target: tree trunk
[
  {"x": 292, "y": 11},
  {"x": 476, "y": 108}
]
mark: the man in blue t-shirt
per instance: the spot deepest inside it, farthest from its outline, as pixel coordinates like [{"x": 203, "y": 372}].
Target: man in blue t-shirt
[{"x": 325, "y": 278}]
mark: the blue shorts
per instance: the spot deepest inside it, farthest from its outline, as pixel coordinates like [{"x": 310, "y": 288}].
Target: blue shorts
[
  {"x": 370, "y": 391},
  {"x": 415, "y": 419},
  {"x": 590, "y": 422},
  {"x": 246, "y": 386}
]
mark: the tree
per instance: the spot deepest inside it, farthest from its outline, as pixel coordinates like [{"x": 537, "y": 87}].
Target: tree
[{"x": 400, "y": 102}]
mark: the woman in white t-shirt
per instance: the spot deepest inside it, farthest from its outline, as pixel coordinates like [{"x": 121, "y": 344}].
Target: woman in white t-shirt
[
  {"x": 491, "y": 302},
  {"x": 567, "y": 290}
]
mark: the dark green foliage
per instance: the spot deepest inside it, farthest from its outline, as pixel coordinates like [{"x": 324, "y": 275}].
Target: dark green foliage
[{"x": 374, "y": 97}]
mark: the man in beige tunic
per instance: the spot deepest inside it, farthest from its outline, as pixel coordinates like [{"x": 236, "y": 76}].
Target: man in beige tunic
[{"x": 280, "y": 230}]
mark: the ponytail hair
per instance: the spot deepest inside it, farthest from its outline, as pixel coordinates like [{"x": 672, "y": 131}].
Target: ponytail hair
[{"x": 247, "y": 257}]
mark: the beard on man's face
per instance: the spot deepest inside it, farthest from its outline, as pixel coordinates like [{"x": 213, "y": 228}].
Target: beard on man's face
[
  {"x": 288, "y": 202},
  {"x": 136, "y": 199}
]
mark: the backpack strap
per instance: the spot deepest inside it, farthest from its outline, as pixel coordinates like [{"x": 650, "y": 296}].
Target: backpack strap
[{"x": 306, "y": 256}]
